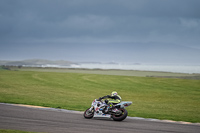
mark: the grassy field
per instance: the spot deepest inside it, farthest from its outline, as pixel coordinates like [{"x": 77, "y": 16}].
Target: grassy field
[
  {"x": 111, "y": 72},
  {"x": 152, "y": 97}
]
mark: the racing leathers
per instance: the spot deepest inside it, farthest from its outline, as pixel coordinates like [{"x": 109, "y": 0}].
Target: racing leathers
[{"x": 112, "y": 100}]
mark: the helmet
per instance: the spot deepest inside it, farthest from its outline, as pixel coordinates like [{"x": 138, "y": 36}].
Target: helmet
[{"x": 114, "y": 93}]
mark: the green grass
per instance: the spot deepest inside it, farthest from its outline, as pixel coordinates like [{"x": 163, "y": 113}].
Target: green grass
[
  {"x": 107, "y": 72},
  {"x": 160, "y": 98}
]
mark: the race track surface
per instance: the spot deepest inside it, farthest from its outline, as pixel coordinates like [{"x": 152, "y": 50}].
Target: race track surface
[{"x": 58, "y": 121}]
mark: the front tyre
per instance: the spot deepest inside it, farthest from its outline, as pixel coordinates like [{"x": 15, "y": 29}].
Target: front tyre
[
  {"x": 88, "y": 114},
  {"x": 120, "y": 117}
]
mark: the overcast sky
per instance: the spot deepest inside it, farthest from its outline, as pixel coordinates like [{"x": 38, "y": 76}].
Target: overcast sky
[{"x": 156, "y": 31}]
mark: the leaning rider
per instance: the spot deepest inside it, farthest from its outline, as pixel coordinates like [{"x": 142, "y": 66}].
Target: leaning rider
[{"x": 114, "y": 99}]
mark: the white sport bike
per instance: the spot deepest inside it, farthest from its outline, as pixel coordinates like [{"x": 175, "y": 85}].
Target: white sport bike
[{"x": 117, "y": 112}]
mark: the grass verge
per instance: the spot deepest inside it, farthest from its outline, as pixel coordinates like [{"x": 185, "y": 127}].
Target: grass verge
[{"x": 152, "y": 97}]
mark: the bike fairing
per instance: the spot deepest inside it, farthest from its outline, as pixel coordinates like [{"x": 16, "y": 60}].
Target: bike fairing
[{"x": 118, "y": 113}]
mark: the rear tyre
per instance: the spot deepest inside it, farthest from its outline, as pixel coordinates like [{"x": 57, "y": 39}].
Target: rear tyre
[
  {"x": 122, "y": 116},
  {"x": 88, "y": 114}
]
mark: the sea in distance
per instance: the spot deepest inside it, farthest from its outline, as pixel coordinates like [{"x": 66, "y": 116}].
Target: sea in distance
[{"x": 135, "y": 66}]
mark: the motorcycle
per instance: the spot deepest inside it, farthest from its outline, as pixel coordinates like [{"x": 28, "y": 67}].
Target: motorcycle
[{"x": 117, "y": 112}]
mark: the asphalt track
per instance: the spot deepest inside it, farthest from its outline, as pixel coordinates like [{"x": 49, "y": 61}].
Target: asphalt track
[{"x": 60, "y": 121}]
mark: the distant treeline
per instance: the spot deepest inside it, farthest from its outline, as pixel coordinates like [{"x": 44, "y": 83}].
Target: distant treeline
[{"x": 8, "y": 67}]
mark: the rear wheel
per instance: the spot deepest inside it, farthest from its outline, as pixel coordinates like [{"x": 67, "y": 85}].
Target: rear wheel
[
  {"x": 88, "y": 114},
  {"x": 121, "y": 116}
]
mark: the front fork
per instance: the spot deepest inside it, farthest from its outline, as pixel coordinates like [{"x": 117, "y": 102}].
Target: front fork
[{"x": 91, "y": 108}]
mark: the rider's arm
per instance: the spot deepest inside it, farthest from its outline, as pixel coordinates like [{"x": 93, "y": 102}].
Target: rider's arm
[
  {"x": 108, "y": 96},
  {"x": 115, "y": 97}
]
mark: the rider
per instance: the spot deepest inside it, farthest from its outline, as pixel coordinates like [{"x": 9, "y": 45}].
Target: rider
[{"x": 115, "y": 99}]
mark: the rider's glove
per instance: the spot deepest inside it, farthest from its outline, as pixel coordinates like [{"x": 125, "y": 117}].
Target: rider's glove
[{"x": 99, "y": 99}]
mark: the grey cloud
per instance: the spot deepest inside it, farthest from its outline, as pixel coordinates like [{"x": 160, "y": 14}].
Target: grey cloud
[{"x": 142, "y": 22}]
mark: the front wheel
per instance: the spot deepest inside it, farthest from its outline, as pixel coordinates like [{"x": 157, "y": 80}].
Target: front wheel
[
  {"x": 88, "y": 114},
  {"x": 121, "y": 116}
]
